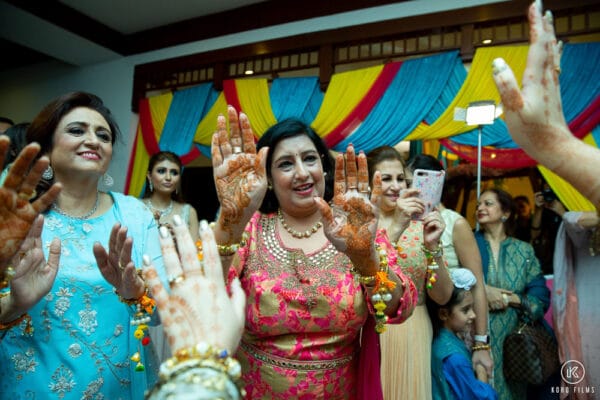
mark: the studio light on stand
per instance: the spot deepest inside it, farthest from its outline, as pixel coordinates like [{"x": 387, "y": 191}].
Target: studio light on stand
[{"x": 478, "y": 113}]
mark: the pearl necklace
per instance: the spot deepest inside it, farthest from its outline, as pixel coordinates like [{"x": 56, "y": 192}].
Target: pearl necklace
[
  {"x": 164, "y": 211},
  {"x": 59, "y": 210},
  {"x": 295, "y": 233}
]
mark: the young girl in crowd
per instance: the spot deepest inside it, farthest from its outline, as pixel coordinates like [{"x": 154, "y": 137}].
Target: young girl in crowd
[{"x": 452, "y": 372}]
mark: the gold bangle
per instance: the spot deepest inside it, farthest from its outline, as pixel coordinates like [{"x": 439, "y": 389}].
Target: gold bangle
[
  {"x": 226, "y": 250},
  {"x": 431, "y": 254},
  {"x": 7, "y": 276},
  {"x": 15, "y": 322},
  {"x": 478, "y": 347}
]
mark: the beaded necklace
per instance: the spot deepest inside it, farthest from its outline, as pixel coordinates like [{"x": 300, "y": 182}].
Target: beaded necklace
[
  {"x": 87, "y": 215},
  {"x": 295, "y": 233}
]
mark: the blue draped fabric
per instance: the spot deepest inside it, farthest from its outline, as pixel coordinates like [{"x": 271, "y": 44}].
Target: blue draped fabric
[
  {"x": 296, "y": 97},
  {"x": 578, "y": 90},
  {"x": 458, "y": 75},
  {"x": 187, "y": 109},
  {"x": 406, "y": 102}
]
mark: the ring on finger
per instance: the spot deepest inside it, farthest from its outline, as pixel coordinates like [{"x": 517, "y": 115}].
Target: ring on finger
[
  {"x": 26, "y": 196},
  {"x": 351, "y": 187},
  {"x": 237, "y": 149},
  {"x": 176, "y": 279}
]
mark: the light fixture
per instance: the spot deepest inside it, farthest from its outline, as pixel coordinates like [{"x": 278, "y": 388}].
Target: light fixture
[
  {"x": 481, "y": 112},
  {"x": 248, "y": 72},
  {"x": 486, "y": 41}
]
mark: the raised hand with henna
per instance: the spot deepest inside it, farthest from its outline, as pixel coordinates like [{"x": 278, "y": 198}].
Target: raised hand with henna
[
  {"x": 351, "y": 224},
  {"x": 197, "y": 308},
  {"x": 16, "y": 212},
  {"x": 33, "y": 275},
  {"x": 534, "y": 114},
  {"x": 239, "y": 173}
]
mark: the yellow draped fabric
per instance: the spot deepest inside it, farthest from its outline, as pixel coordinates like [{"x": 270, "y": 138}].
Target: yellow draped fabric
[
  {"x": 343, "y": 94},
  {"x": 208, "y": 125},
  {"x": 479, "y": 85},
  {"x": 567, "y": 194},
  {"x": 256, "y": 103},
  {"x": 138, "y": 173}
]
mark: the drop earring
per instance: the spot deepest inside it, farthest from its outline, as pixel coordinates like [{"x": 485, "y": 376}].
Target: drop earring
[
  {"x": 150, "y": 185},
  {"x": 48, "y": 173},
  {"x": 108, "y": 180}
]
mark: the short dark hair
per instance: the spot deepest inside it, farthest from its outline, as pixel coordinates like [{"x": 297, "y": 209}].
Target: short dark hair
[
  {"x": 285, "y": 129},
  {"x": 44, "y": 125},
  {"x": 425, "y": 161},
  {"x": 380, "y": 154}
]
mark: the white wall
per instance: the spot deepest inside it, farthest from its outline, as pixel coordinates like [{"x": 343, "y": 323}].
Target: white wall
[{"x": 24, "y": 92}]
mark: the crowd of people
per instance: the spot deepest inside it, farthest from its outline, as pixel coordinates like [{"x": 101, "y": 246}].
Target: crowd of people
[{"x": 317, "y": 279}]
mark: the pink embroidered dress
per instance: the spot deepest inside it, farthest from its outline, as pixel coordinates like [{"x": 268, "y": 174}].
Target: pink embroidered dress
[{"x": 303, "y": 319}]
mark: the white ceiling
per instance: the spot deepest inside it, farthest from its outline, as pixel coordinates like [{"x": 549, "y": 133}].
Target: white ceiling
[{"x": 131, "y": 16}]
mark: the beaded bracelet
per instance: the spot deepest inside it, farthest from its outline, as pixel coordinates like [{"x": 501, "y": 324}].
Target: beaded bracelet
[
  {"x": 203, "y": 356},
  {"x": 226, "y": 250},
  {"x": 481, "y": 347}
]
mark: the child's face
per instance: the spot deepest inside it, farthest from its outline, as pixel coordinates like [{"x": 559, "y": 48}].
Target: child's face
[{"x": 462, "y": 315}]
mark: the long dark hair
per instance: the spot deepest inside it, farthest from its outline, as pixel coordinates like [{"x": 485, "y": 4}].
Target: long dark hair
[
  {"x": 44, "y": 125},
  {"x": 174, "y": 158},
  {"x": 286, "y": 129},
  {"x": 18, "y": 139}
]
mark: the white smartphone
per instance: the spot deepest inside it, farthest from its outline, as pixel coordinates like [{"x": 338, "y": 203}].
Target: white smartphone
[{"x": 430, "y": 184}]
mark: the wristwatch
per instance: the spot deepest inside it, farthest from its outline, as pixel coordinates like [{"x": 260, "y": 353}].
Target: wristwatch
[{"x": 482, "y": 338}]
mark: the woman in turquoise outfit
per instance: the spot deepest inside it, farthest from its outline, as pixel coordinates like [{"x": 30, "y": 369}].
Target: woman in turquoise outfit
[
  {"x": 80, "y": 303},
  {"x": 514, "y": 281}
]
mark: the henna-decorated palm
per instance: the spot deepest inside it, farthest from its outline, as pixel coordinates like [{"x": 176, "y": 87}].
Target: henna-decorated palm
[
  {"x": 534, "y": 115},
  {"x": 34, "y": 276},
  {"x": 16, "y": 212},
  {"x": 116, "y": 266},
  {"x": 197, "y": 308},
  {"x": 351, "y": 223},
  {"x": 239, "y": 171}
]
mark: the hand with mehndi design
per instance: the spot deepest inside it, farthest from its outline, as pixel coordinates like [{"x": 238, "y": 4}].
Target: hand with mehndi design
[
  {"x": 239, "y": 173},
  {"x": 351, "y": 223},
  {"x": 117, "y": 267},
  {"x": 16, "y": 212},
  {"x": 198, "y": 307},
  {"x": 34, "y": 276},
  {"x": 534, "y": 114}
]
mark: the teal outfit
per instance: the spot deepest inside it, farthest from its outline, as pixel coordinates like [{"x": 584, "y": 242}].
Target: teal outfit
[
  {"x": 452, "y": 374},
  {"x": 82, "y": 340},
  {"x": 518, "y": 270}
]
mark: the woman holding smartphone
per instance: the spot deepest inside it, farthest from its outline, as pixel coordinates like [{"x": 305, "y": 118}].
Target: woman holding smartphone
[{"x": 406, "y": 348}]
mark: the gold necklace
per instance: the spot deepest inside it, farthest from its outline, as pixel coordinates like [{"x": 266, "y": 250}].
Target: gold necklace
[{"x": 295, "y": 233}]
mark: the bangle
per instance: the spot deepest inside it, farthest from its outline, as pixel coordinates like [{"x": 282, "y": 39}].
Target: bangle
[
  {"x": 203, "y": 357},
  {"x": 230, "y": 249},
  {"x": 7, "y": 276},
  {"x": 478, "y": 347},
  {"x": 436, "y": 253}
]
